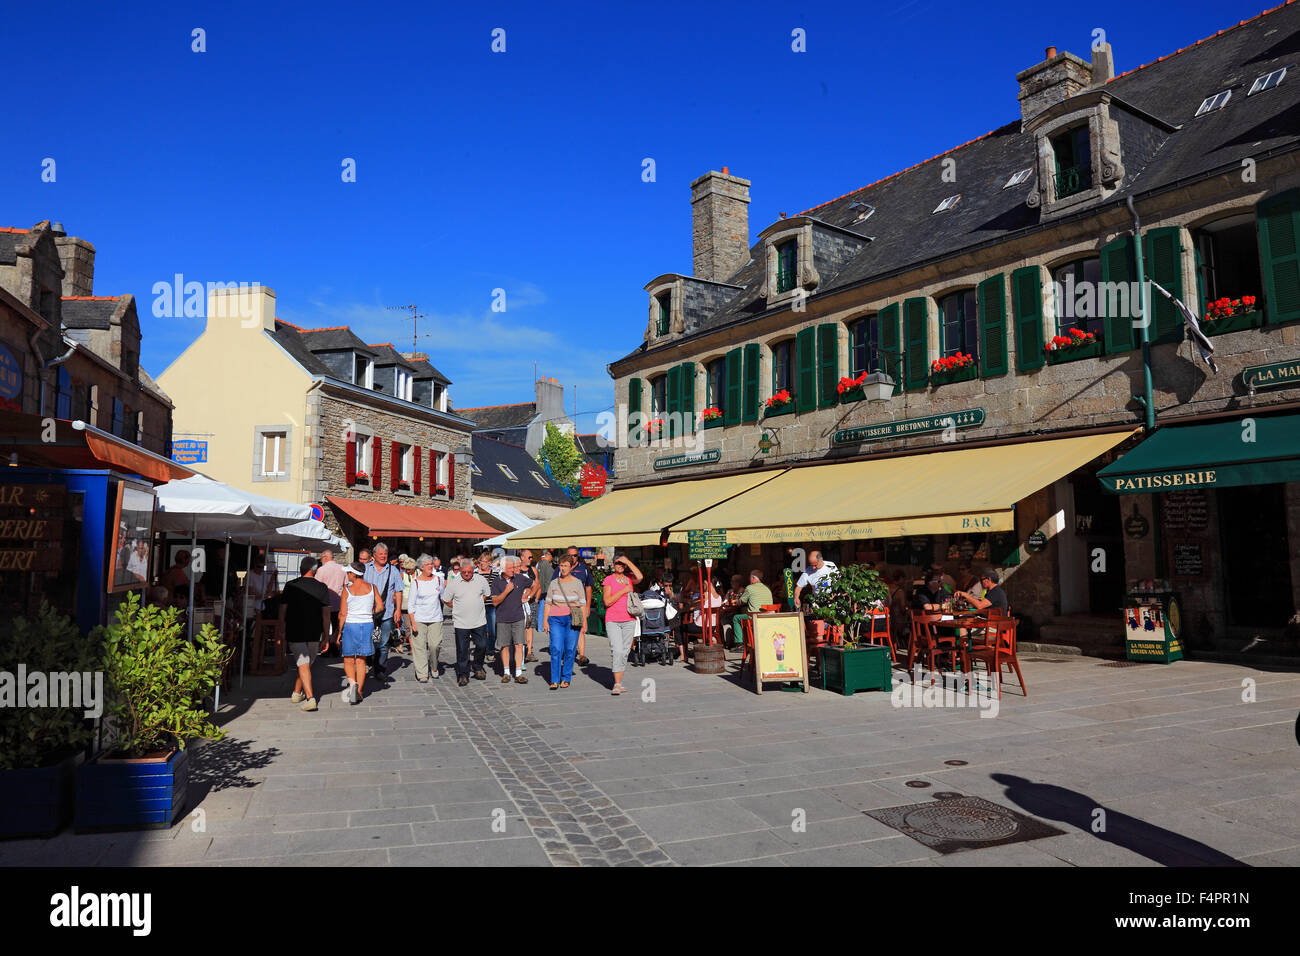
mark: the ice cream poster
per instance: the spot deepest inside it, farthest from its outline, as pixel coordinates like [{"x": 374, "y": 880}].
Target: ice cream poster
[{"x": 779, "y": 647}]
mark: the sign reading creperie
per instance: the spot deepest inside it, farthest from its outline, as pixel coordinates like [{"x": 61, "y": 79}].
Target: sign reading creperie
[
  {"x": 31, "y": 527},
  {"x": 1162, "y": 480}
]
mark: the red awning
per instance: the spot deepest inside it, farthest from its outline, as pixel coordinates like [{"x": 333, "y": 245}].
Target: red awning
[
  {"x": 412, "y": 521},
  {"x": 80, "y": 448}
]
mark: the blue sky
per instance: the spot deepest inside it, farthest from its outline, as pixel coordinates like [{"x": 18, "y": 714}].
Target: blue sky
[{"x": 478, "y": 170}]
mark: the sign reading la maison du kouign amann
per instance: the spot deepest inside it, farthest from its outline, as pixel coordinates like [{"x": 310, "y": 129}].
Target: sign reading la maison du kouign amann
[{"x": 970, "y": 418}]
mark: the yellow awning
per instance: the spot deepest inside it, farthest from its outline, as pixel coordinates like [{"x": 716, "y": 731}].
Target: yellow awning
[
  {"x": 944, "y": 492},
  {"x": 635, "y": 517}
]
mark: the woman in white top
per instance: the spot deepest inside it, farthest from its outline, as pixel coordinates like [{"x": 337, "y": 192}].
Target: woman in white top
[
  {"x": 424, "y": 619},
  {"x": 357, "y": 613}
]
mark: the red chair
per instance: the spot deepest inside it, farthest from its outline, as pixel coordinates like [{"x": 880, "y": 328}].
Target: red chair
[
  {"x": 746, "y": 625},
  {"x": 1001, "y": 651},
  {"x": 879, "y": 632},
  {"x": 770, "y": 608},
  {"x": 927, "y": 643}
]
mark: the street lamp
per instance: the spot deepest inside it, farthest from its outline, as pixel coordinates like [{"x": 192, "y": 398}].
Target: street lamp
[
  {"x": 878, "y": 387},
  {"x": 465, "y": 455}
]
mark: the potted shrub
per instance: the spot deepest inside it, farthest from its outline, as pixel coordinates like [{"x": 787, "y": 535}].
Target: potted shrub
[
  {"x": 712, "y": 418},
  {"x": 958, "y": 367},
  {"x": 779, "y": 404},
  {"x": 157, "y": 682},
  {"x": 1078, "y": 344},
  {"x": 842, "y": 604},
  {"x": 1232, "y": 315},
  {"x": 850, "y": 389},
  {"x": 40, "y": 746}
]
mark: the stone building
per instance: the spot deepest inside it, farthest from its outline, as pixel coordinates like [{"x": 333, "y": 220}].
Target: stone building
[
  {"x": 319, "y": 416},
  {"x": 523, "y": 423},
  {"x": 987, "y": 298},
  {"x": 68, "y": 353}
]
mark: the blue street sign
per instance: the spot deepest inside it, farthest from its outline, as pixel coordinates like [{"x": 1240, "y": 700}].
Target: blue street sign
[{"x": 189, "y": 452}]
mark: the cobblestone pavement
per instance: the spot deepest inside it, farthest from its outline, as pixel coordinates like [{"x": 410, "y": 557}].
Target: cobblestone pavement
[{"x": 1190, "y": 763}]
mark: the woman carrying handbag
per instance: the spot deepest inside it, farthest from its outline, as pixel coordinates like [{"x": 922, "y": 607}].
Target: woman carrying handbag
[
  {"x": 565, "y": 600},
  {"x": 620, "y": 620}
]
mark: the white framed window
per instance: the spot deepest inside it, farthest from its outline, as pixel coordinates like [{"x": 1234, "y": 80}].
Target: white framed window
[
  {"x": 441, "y": 469},
  {"x": 271, "y": 452},
  {"x": 1216, "y": 102},
  {"x": 274, "y": 454},
  {"x": 403, "y": 385},
  {"x": 1019, "y": 177},
  {"x": 406, "y": 455},
  {"x": 540, "y": 480},
  {"x": 1267, "y": 81},
  {"x": 363, "y": 371},
  {"x": 365, "y": 453},
  {"x": 507, "y": 472},
  {"x": 947, "y": 204}
]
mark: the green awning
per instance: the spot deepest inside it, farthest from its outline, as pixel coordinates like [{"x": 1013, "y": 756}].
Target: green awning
[{"x": 1252, "y": 450}]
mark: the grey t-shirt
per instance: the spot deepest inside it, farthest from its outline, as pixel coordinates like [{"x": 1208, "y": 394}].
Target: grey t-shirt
[{"x": 466, "y": 599}]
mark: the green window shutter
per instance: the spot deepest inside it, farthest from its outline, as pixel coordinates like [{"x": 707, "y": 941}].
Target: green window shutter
[
  {"x": 1163, "y": 252},
  {"x": 1279, "y": 255},
  {"x": 731, "y": 414},
  {"x": 673, "y": 399},
  {"x": 993, "y": 325},
  {"x": 1117, "y": 266},
  {"x": 805, "y": 346},
  {"x": 1201, "y": 305},
  {"x": 1027, "y": 296},
  {"x": 915, "y": 320},
  {"x": 687, "y": 405},
  {"x": 633, "y": 410},
  {"x": 891, "y": 345},
  {"x": 828, "y": 364},
  {"x": 749, "y": 406}
]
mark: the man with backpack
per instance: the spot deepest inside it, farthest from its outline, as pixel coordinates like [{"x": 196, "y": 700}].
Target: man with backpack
[{"x": 387, "y": 581}]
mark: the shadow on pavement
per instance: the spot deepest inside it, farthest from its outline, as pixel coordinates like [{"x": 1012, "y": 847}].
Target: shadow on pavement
[{"x": 1157, "y": 844}]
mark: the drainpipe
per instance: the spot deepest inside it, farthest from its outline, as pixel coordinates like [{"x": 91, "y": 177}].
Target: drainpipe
[
  {"x": 46, "y": 365},
  {"x": 1147, "y": 398}
]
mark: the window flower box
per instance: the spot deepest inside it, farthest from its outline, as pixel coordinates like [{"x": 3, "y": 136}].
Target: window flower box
[
  {"x": 1232, "y": 315},
  {"x": 361, "y": 478},
  {"x": 713, "y": 423},
  {"x": 851, "y": 389},
  {"x": 712, "y": 418},
  {"x": 779, "y": 404},
  {"x": 440, "y": 491},
  {"x": 1073, "y": 347},
  {"x": 851, "y": 395},
  {"x": 960, "y": 367}
]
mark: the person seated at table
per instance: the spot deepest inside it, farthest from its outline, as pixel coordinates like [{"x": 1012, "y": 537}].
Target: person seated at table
[
  {"x": 931, "y": 596},
  {"x": 967, "y": 580},
  {"x": 945, "y": 579},
  {"x": 994, "y": 596}
]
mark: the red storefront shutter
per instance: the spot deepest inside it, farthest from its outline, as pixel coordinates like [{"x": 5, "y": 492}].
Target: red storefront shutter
[
  {"x": 415, "y": 461},
  {"x": 394, "y": 465},
  {"x": 350, "y": 465},
  {"x": 377, "y": 461},
  {"x": 451, "y": 476}
]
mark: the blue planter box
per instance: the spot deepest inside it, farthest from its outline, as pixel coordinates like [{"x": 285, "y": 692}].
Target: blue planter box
[
  {"x": 114, "y": 794},
  {"x": 37, "y": 802}
]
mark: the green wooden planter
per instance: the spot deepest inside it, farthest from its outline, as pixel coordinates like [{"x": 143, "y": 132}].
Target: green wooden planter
[
  {"x": 714, "y": 422},
  {"x": 849, "y": 669},
  {"x": 853, "y": 395},
  {"x": 964, "y": 374},
  {"x": 786, "y": 409},
  {"x": 1076, "y": 353},
  {"x": 1234, "y": 323}
]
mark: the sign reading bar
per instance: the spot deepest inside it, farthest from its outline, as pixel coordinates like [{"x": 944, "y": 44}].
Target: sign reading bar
[
  {"x": 1277, "y": 375},
  {"x": 189, "y": 452},
  {"x": 680, "y": 461},
  {"x": 710, "y": 544},
  {"x": 909, "y": 426}
]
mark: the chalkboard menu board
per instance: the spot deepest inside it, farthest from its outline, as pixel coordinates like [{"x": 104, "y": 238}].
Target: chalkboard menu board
[
  {"x": 1004, "y": 549},
  {"x": 1186, "y": 511},
  {"x": 1189, "y": 561}
]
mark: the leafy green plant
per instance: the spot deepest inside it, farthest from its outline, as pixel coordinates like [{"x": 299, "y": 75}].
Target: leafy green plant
[
  {"x": 158, "y": 679},
  {"x": 844, "y": 601},
  {"x": 50, "y": 643},
  {"x": 562, "y": 455}
]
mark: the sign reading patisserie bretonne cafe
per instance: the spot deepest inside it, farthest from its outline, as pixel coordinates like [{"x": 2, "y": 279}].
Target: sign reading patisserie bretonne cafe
[{"x": 910, "y": 426}]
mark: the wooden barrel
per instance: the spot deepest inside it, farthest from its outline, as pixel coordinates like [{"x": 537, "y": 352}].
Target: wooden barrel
[{"x": 709, "y": 659}]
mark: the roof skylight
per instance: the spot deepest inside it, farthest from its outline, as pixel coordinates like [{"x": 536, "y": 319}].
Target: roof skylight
[
  {"x": 1267, "y": 81},
  {"x": 1019, "y": 178},
  {"x": 1216, "y": 102},
  {"x": 947, "y": 204}
]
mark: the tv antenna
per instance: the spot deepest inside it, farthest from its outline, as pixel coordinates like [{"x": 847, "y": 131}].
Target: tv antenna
[{"x": 415, "y": 321}]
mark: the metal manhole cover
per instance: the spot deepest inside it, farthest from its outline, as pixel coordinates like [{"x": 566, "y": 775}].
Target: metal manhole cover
[
  {"x": 962, "y": 823},
  {"x": 946, "y": 795},
  {"x": 918, "y": 784},
  {"x": 956, "y": 763}
]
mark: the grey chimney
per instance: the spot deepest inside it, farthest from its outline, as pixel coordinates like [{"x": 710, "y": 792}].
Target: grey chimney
[
  {"x": 77, "y": 257},
  {"x": 1103, "y": 64},
  {"x": 719, "y": 224},
  {"x": 1057, "y": 78}
]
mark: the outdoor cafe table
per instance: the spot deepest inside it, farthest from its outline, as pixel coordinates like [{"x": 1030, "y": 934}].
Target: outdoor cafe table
[{"x": 957, "y": 621}]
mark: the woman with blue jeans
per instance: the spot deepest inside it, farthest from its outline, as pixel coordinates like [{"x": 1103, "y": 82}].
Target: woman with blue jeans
[{"x": 565, "y": 595}]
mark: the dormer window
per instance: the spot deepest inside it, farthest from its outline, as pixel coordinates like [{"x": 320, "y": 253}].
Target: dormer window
[
  {"x": 663, "y": 313},
  {"x": 403, "y": 385},
  {"x": 1216, "y": 102},
  {"x": 1073, "y": 155},
  {"x": 787, "y": 265},
  {"x": 1019, "y": 177},
  {"x": 947, "y": 204},
  {"x": 1267, "y": 81},
  {"x": 436, "y": 395},
  {"x": 363, "y": 372}
]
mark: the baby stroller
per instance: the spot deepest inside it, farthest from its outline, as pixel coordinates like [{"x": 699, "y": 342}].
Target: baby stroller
[{"x": 657, "y": 632}]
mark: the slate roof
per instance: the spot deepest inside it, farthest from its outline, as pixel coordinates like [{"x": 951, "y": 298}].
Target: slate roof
[
  {"x": 295, "y": 343},
  {"x": 493, "y": 417},
  {"x": 906, "y": 232},
  {"x": 491, "y": 480},
  {"x": 9, "y": 243},
  {"x": 335, "y": 339},
  {"x": 423, "y": 369},
  {"x": 89, "y": 312},
  {"x": 385, "y": 354}
]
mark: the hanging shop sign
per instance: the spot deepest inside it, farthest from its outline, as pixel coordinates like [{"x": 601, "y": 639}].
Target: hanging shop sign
[
  {"x": 1135, "y": 525},
  {"x": 31, "y": 527},
  {"x": 1277, "y": 375},
  {"x": 707, "y": 545},
  {"x": 909, "y": 426},
  {"x": 1036, "y": 542},
  {"x": 681, "y": 461},
  {"x": 592, "y": 480},
  {"x": 189, "y": 452}
]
